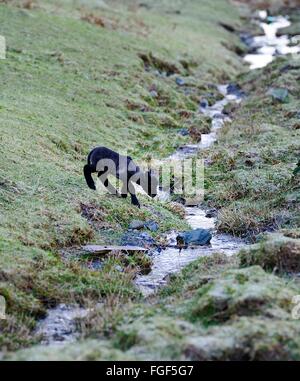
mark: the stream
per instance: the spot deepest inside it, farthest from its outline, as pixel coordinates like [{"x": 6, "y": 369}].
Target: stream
[
  {"x": 171, "y": 260},
  {"x": 59, "y": 326},
  {"x": 265, "y": 49}
]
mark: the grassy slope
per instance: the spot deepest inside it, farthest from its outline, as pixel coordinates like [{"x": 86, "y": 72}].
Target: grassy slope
[{"x": 66, "y": 86}]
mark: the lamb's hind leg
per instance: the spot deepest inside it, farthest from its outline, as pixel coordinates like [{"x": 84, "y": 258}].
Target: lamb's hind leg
[{"x": 134, "y": 199}]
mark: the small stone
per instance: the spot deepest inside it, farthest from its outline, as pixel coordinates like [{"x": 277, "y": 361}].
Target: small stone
[
  {"x": 279, "y": 94},
  {"x": 233, "y": 89},
  {"x": 137, "y": 225},
  {"x": 132, "y": 238},
  {"x": 180, "y": 81},
  {"x": 204, "y": 103},
  {"x": 119, "y": 268},
  {"x": 247, "y": 39},
  {"x": 211, "y": 213},
  {"x": 183, "y": 132},
  {"x": 152, "y": 226}
]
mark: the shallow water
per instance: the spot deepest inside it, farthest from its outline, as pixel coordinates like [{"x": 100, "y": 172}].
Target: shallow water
[
  {"x": 218, "y": 119},
  {"x": 59, "y": 326},
  {"x": 172, "y": 260},
  {"x": 269, "y": 45}
]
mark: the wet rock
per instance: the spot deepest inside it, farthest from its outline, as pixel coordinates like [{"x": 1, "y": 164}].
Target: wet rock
[
  {"x": 178, "y": 199},
  {"x": 275, "y": 252},
  {"x": 183, "y": 132},
  {"x": 279, "y": 94},
  {"x": 180, "y": 81},
  {"x": 242, "y": 292},
  {"x": 234, "y": 89},
  {"x": 204, "y": 103},
  {"x": 247, "y": 39},
  {"x": 198, "y": 237},
  {"x": 137, "y": 239},
  {"x": 137, "y": 225},
  {"x": 152, "y": 226},
  {"x": 211, "y": 213}
]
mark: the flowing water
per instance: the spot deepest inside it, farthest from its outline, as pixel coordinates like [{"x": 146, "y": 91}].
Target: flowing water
[
  {"x": 172, "y": 260},
  {"x": 60, "y": 324},
  {"x": 267, "y": 46}
]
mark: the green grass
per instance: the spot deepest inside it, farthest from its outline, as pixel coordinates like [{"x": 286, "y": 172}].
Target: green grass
[{"x": 68, "y": 85}]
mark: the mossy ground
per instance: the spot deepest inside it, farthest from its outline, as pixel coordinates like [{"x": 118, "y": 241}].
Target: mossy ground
[
  {"x": 74, "y": 78},
  {"x": 213, "y": 310}
]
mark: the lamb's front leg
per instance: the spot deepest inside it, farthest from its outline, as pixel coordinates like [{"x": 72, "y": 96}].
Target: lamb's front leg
[
  {"x": 104, "y": 180},
  {"x": 124, "y": 190}
]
